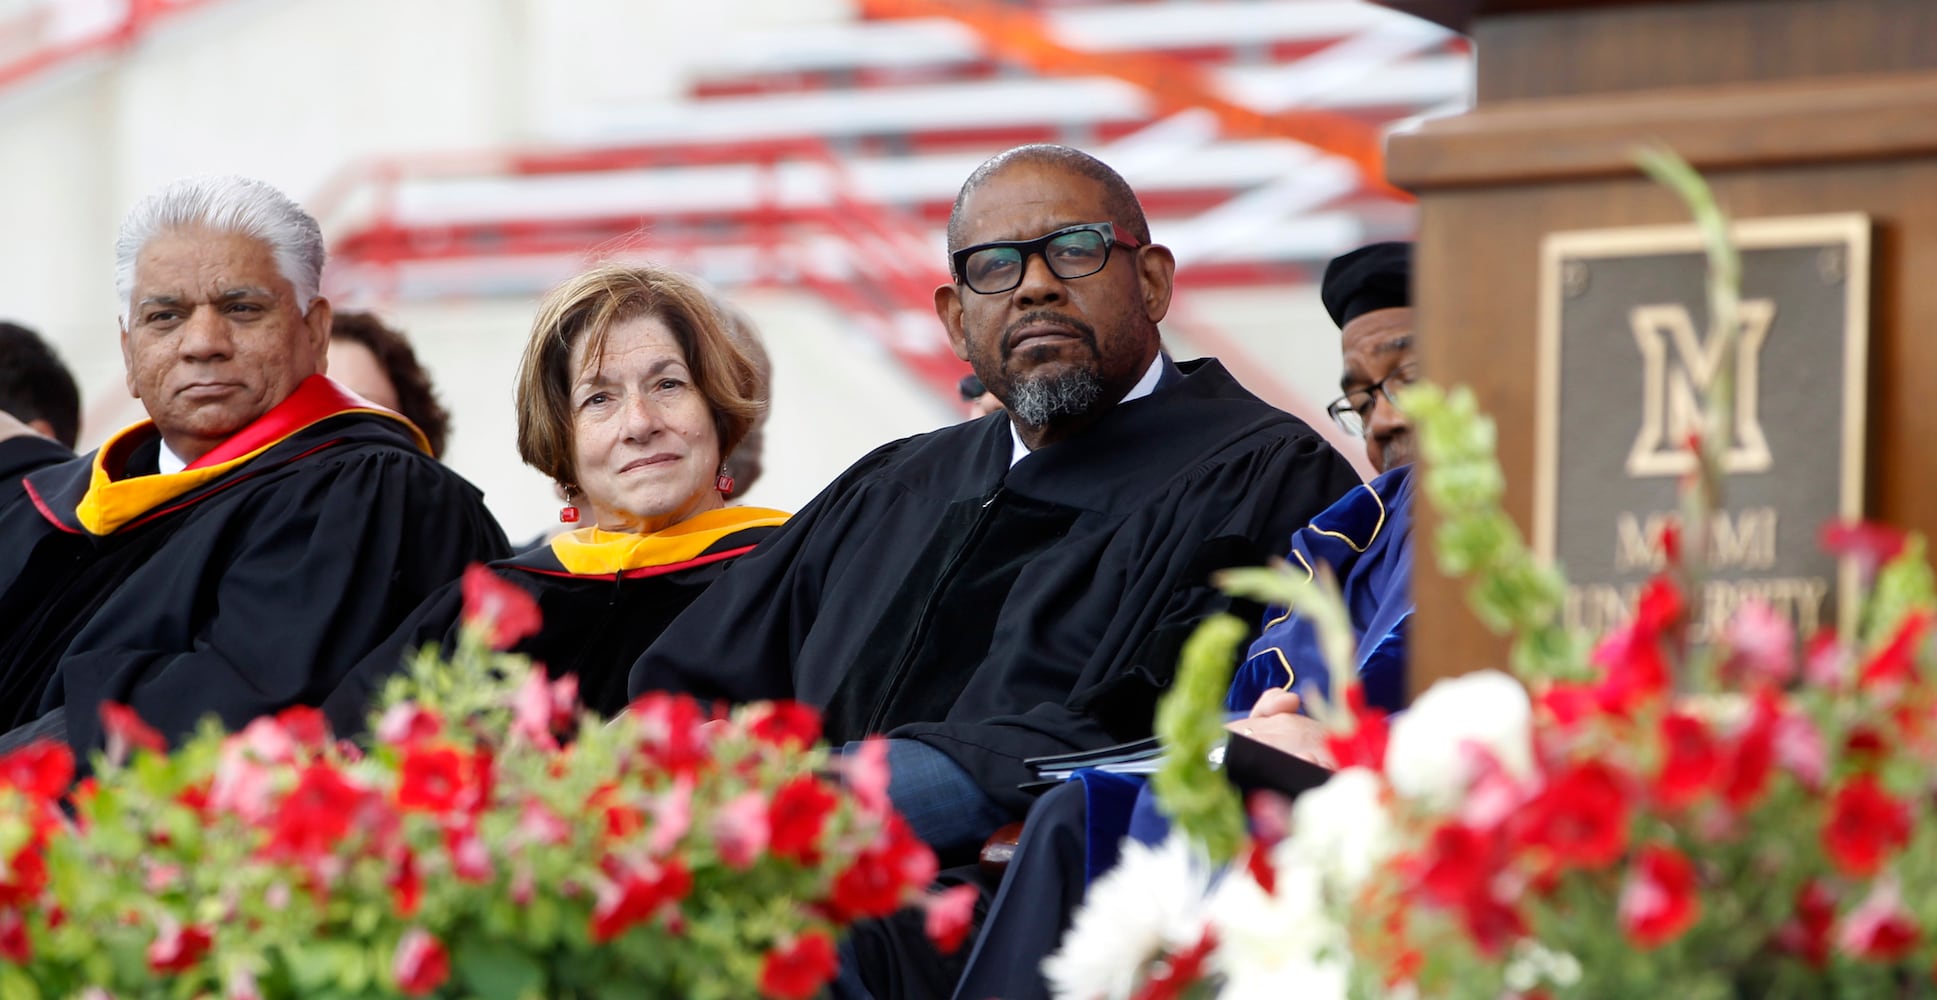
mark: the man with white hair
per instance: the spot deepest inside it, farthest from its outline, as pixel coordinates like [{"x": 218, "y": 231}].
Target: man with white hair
[{"x": 236, "y": 552}]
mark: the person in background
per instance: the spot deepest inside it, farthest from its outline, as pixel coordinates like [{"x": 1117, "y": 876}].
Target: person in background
[
  {"x": 632, "y": 396},
  {"x": 36, "y": 388},
  {"x": 376, "y": 362},
  {"x": 239, "y": 550},
  {"x": 1073, "y": 831},
  {"x": 743, "y": 466},
  {"x": 977, "y": 397}
]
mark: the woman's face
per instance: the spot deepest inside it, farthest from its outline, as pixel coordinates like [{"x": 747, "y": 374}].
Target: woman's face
[{"x": 642, "y": 434}]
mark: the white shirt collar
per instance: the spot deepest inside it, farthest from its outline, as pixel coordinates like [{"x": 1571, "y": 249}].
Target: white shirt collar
[
  {"x": 167, "y": 462},
  {"x": 1144, "y": 387}
]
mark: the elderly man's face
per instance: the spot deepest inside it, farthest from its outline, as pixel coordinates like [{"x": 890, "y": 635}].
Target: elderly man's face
[
  {"x": 1066, "y": 340},
  {"x": 1379, "y": 350},
  {"x": 216, "y": 337}
]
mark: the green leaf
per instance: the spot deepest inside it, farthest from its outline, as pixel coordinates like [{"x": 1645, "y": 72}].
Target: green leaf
[{"x": 493, "y": 973}]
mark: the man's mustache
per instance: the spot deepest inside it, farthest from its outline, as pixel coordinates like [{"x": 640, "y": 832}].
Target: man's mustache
[{"x": 1044, "y": 317}]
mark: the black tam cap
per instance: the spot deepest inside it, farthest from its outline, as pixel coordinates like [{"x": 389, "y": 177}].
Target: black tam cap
[{"x": 1369, "y": 278}]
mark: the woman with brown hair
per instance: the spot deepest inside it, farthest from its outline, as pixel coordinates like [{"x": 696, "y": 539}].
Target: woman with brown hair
[{"x": 631, "y": 395}]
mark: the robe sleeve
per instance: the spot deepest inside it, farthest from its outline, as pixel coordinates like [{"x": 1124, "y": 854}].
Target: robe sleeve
[
  {"x": 324, "y": 567},
  {"x": 736, "y": 642},
  {"x": 1154, "y": 592},
  {"x": 348, "y": 705}
]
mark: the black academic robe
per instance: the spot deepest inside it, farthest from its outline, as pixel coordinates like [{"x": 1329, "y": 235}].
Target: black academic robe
[
  {"x": 934, "y": 593},
  {"x": 594, "y": 624},
  {"x": 240, "y": 597}
]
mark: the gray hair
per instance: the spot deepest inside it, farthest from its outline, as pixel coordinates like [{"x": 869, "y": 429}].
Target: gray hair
[{"x": 225, "y": 205}]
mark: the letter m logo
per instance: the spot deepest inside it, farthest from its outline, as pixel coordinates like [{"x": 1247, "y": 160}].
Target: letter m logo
[{"x": 1680, "y": 370}]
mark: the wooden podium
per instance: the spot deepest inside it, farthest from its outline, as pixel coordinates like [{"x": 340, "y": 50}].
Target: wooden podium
[{"x": 1788, "y": 107}]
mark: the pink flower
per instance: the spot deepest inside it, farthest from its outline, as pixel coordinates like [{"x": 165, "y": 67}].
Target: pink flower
[
  {"x": 740, "y": 829},
  {"x": 1761, "y": 644},
  {"x": 1879, "y": 929},
  {"x": 949, "y": 914},
  {"x": 421, "y": 964},
  {"x": 1800, "y": 750},
  {"x": 866, "y": 771},
  {"x": 1659, "y": 901},
  {"x": 540, "y": 825},
  {"x": 510, "y": 614},
  {"x": 408, "y": 723},
  {"x": 542, "y": 708},
  {"x": 672, "y": 816}
]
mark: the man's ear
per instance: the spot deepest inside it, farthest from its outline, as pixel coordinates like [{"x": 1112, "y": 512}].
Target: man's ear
[
  {"x": 317, "y": 320},
  {"x": 948, "y": 306},
  {"x": 128, "y": 362},
  {"x": 1156, "y": 272}
]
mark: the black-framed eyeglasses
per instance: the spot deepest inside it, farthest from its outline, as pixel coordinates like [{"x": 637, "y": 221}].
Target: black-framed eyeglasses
[
  {"x": 1071, "y": 252},
  {"x": 1353, "y": 411}
]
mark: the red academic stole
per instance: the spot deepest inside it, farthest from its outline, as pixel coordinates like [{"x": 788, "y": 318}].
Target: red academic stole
[{"x": 112, "y": 502}]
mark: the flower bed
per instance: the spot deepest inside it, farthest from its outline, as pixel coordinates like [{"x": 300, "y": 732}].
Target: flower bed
[{"x": 491, "y": 842}]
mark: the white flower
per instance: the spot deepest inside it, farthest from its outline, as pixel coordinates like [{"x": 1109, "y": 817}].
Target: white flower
[
  {"x": 1340, "y": 827},
  {"x": 1281, "y": 944},
  {"x": 1152, "y": 901},
  {"x": 1438, "y": 743}
]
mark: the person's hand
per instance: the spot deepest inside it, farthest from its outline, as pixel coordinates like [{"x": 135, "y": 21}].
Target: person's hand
[
  {"x": 1276, "y": 701},
  {"x": 1275, "y": 721}
]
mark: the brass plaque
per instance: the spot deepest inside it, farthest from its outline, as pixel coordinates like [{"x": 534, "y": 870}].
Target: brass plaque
[{"x": 1626, "y": 361}]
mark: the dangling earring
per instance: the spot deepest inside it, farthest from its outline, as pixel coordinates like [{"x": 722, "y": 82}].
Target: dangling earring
[
  {"x": 725, "y": 483},
  {"x": 568, "y": 514}
]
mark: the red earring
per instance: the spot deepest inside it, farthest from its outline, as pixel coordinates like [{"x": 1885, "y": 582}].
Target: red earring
[
  {"x": 725, "y": 483},
  {"x": 568, "y": 514}
]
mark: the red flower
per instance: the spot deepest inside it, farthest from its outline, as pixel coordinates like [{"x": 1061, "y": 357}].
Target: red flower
[
  {"x": 177, "y": 948},
  {"x": 1690, "y": 761},
  {"x": 1580, "y": 819},
  {"x": 636, "y": 894},
  {"x": 317, "y": 814},
  {"x": 305, "y": 725},
  {"x": 1896, "y": 663},
  {"x": 1457, "y": 872},
  {"x": 787, "y": 725},
  {"x": 1659, "y": 901},
  {"x": 15, "y": 946},
  {"x": 406, "y": 886},
  {"x": 421, "y": 964},
  {"x": 883, "y": 874},
  {"x": 1180, "y": 972},
  {"x": 1365, "y": 745},
  {"x": 1660, "y": 607},
  {"x": 501, "y": 607},
  {"x": 670, "y": 732},
  {"x": 798, "y": 970},
  {"x": 1865, "y": 825},
  {"x": 126, "y": 731},
  {"x": 1807, "y": 933},
  {"x": 434, "y": 779},
  {"x": 1755, "y": 754},
  {"x": 949, "y": 914},
  {"x": 41, "y": 770},
  {"x": 1867, "y": 542},
  {"x": 798, "y": 816}
]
